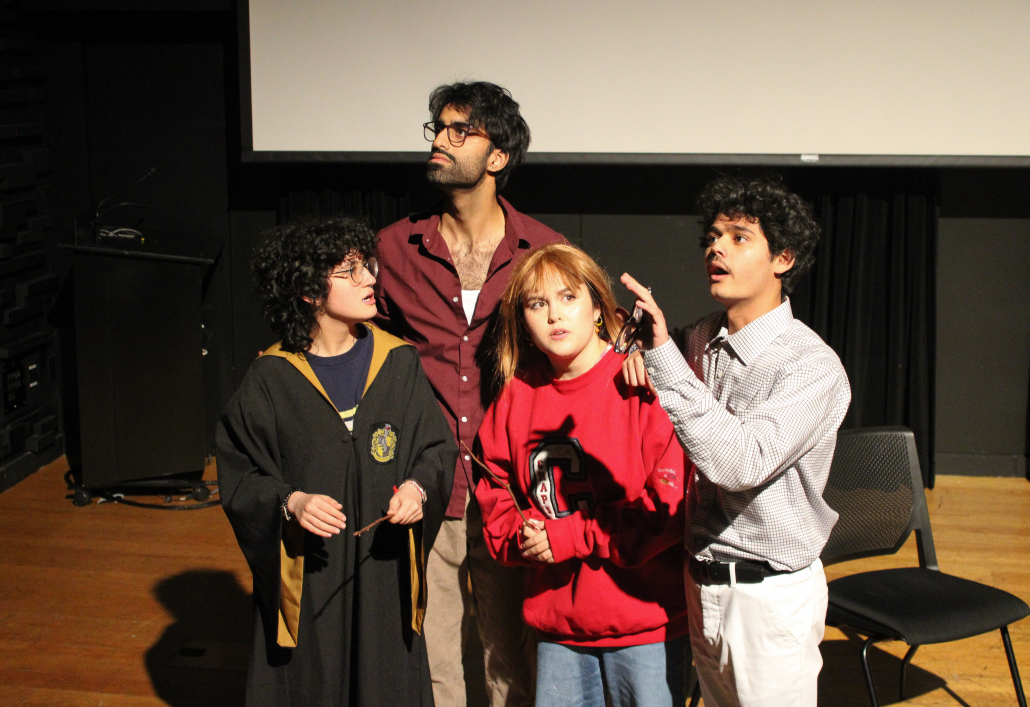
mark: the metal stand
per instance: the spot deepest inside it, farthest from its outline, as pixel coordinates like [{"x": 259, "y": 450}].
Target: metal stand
[{"x": 199, "y": 490}]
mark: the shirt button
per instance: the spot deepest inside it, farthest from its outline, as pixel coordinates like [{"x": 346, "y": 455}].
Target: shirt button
[
  {"x": 464, "y": 419},
  {"x": 455, "y": 299},
  {"x": 466, "y": 457},
  {"x": 465, "y": 378},
  {"x": 465, "y": 338},
  {"x": 650, "y": 369}
]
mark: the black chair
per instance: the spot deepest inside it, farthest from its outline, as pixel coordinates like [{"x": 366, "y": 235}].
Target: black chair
[{"x": 876, "y": 487}]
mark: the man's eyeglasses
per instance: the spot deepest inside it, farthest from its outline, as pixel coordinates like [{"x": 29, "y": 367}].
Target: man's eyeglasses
[
  {"x": 456, "y": 132},
  {"x": 356, "y": 272},
  {"x": 628, "y": 334}
]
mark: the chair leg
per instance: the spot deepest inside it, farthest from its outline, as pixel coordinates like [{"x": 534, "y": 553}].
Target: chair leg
[
  {"x": 865, "y": 668},
  {"x": 1013, "y": 668},
  {"x": 695, "y": 696},
  {"x": 904, "y": 667}
]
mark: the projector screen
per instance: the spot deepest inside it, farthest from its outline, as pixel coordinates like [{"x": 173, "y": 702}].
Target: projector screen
[{"x": 875, "y": 82}]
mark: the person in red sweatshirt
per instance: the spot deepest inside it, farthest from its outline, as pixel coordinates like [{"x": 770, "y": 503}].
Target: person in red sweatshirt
[{"x": 600, "y": 482}]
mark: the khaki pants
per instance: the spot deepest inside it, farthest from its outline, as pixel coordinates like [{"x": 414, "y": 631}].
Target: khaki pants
[{"x": 460, "y": 558}]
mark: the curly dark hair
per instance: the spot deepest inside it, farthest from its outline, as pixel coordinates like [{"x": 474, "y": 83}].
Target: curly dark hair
[
  {"x": 294, "y": 262},
  {"x": 786, "y": 219},
  {"x": 492, "y": 109}
]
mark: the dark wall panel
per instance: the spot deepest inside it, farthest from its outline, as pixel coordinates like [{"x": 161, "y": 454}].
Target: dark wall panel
[
  {"x": 985, "y": 193},
  {"x": 250, "y": 335},
  {"x": 30, "y": 432},
  {"x": 68, "y": 140},
  {"x": 983, "y": 345},
  {"x": 160, "y": 106}
]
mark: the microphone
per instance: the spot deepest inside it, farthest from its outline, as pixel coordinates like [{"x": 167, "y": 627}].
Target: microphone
[
  {"x": 122, "y": 191},
  {"x": 96, "y": 219}
]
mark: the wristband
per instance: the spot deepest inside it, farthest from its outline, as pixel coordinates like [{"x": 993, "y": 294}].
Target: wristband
[
  {"x": 286, "y": 511},
  {"x": 418, "y": 487}
]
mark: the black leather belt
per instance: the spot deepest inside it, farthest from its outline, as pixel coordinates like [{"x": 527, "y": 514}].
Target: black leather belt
[{"x": 747, "y": 572}]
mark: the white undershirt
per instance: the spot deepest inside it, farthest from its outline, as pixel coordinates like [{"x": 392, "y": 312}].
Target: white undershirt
[{"x": 468, "y": 301}]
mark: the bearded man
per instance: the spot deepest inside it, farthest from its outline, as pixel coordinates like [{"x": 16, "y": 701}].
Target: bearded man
[{"x": 441, "y": 276}]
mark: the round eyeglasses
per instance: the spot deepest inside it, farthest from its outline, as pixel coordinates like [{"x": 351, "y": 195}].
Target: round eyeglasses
[
  {"x": 356, "y": 272},
  {"x": 456, "y": 132},
  {"x": 628, "y": 334}
]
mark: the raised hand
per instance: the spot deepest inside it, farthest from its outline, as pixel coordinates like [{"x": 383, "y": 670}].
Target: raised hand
[{"x": 653, "y": 330}]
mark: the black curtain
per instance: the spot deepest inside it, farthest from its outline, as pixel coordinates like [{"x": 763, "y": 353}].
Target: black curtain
[
  {"x": 871, "y": 294},
  {"x": 378, "y": 208}
]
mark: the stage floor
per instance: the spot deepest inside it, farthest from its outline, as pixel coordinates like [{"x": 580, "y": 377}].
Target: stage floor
[{"x": 114, "y": 605}]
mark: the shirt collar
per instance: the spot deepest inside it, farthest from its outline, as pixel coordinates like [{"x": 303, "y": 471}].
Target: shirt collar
[
  {"x": 513, "y": 234},
  {"x": 750, "y": 341}
]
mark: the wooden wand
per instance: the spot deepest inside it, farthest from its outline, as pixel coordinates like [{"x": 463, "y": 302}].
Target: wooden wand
[
  {"x": 357, "y": 533},
  {"x": 505, "y": 484}
]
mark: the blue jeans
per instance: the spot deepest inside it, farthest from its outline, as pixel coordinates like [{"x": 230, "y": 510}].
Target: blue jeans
[{"x": 652, "y": 675}]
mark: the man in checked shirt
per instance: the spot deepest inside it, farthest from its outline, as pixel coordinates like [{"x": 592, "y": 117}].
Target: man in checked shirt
[{"x": 756, "y": 403}]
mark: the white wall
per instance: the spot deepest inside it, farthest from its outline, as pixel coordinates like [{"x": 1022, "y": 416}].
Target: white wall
[{"x": 855, "y": 77}]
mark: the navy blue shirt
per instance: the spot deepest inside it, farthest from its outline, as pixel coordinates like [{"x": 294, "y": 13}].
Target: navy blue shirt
[{"x": 344, "y": 376}]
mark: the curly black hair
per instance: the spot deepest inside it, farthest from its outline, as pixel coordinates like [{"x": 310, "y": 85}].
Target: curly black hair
[
  {"x": 294, "y": 262},
  {"x": 786, "y": 219},
  {"x": 492, "y": 109}
]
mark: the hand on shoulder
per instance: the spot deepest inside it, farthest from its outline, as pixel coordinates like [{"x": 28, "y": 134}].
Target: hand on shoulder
[{"x": 634, "y": 372}]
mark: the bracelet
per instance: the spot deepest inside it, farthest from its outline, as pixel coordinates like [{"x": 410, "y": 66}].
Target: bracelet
[
  {"x": 418, "y": 487},
  {"x": 286, "y": 511}
]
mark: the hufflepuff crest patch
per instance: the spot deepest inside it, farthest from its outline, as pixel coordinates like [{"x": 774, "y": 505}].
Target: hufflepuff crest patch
[{"x": 384, "y": 443}]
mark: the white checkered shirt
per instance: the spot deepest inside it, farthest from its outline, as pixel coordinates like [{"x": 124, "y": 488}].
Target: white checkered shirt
[{"x": 758, "y": 412}]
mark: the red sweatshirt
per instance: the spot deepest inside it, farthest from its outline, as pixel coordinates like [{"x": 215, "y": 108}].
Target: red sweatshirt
[{"x": 604, "y": 471}]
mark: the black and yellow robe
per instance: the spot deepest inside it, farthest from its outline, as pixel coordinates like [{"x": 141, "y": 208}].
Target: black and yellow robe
[{"x": 337, "y": 620}]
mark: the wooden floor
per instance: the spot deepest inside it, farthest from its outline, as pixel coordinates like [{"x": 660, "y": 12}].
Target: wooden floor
[{"x": 113, "y": 605}]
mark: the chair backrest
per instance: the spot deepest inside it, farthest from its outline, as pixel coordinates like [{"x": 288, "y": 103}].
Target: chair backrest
[{"x": 877, "y": 489}]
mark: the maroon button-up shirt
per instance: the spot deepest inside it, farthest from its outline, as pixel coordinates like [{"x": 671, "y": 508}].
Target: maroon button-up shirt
[{"x": 419, "y": 299}]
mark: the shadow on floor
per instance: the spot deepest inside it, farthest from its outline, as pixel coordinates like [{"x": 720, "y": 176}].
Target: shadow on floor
[
  {"x": 201, "y": 659},
  {"x": 842, "y": 684}
]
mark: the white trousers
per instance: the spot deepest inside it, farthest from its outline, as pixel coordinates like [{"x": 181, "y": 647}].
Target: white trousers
[{"x": 757, "y": 645}]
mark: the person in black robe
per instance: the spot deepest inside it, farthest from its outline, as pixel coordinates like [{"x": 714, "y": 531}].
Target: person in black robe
[{"x": 333, "y": 428}]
